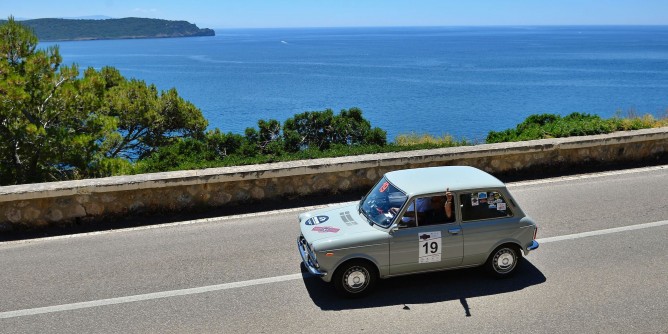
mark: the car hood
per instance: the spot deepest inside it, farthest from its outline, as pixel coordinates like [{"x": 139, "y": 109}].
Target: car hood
[{"x": 335, "y": 224}]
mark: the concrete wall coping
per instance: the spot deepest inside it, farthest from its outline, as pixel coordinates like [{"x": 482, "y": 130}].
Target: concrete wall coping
[{"x": 314, "y": 166}]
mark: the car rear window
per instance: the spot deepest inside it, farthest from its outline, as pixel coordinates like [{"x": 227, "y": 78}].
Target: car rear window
[{"x": 483, "y": 205}]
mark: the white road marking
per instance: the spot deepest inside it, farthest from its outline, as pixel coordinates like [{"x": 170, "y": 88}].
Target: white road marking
[
  {"x": 585, "y": 176},
  {"x": 308, "y": 208},
  {"x": 601, "y": 232},
  {"x": 148, "y": 296},
  {"x": 268, "y": 280}
]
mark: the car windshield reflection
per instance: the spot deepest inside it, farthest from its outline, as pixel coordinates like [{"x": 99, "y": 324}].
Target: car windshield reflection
[{"x": 377, "y": 203}]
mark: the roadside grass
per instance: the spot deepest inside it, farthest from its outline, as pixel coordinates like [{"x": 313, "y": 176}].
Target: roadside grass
[
  {"x": 544, "y": 126},
  {"x": 412, "y": 139}
]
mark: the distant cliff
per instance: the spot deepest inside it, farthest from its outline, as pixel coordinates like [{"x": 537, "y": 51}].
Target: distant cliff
[{"x": 131, "y": 27}]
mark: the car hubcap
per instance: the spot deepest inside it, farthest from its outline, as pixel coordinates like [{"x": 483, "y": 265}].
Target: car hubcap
[
  {"x": 504, "y": 261},
  {"x": 356, "y": 279}
]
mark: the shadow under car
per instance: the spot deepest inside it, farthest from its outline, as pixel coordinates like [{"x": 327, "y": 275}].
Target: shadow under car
[{"x": 424, "y": 288}]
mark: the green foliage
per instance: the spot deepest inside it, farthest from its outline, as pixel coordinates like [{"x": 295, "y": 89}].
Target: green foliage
[
  {"x": 197, "y": 162},
  {"x": 148, "y": 120},
  {"x": 265, "y": 140},
  {"x": 34, "y": 128},
  {"x": 223, "y": 144},
  {"x": 576, "y": 124},
  {"x": 131, "y": 27},
  {"x": 321, "y": 129},
  {"x": 307, "y": 135},
  {"x": 58, "y": 125}
]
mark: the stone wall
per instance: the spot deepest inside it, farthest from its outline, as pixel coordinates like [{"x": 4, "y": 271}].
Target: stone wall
[{"x": 39, "y": 205}]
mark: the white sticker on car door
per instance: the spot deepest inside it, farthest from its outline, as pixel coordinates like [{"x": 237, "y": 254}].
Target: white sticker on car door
[{"x": 429, "y": 247}]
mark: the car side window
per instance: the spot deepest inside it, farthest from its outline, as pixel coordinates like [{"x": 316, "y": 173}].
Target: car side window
[
  {"x": 483, "y": 205},
  {"x": 430, "y": 210},
  {"x": 409, "y": 219}
]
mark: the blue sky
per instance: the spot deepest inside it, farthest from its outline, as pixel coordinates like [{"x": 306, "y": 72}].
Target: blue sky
[{"x": 346, "y": 13}]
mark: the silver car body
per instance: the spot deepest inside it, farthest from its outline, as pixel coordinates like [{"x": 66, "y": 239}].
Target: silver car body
[{"x": 331, "y": 236}]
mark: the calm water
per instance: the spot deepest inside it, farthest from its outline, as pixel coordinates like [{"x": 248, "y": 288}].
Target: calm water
[{"x": 459, "y": 81}]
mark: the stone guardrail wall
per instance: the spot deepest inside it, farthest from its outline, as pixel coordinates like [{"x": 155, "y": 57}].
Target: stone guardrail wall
[{"x": 39, "y": 205}]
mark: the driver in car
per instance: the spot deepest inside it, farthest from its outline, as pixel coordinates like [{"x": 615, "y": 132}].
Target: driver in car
[{"x": 423, "y": 205}]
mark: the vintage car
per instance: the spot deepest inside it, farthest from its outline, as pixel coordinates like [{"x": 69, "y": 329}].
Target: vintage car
[{"x": 415, "y": 221}]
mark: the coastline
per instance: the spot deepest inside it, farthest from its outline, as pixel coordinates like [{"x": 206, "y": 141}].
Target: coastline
[{"x": 60, "y": 30}]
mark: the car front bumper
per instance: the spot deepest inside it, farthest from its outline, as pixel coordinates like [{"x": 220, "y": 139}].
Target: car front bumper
[{"x": 309, "y": 261}]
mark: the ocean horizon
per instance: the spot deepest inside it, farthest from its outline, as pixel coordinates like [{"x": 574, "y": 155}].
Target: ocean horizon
[{"x": 462, "y": 81}]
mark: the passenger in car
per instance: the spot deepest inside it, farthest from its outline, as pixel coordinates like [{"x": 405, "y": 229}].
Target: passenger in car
[
  {"x": 441, "y": 210},
  {"x": 428, "y": 211}
]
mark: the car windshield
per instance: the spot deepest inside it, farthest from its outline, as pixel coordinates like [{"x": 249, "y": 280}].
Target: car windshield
[{"x": 376, "y": 205}]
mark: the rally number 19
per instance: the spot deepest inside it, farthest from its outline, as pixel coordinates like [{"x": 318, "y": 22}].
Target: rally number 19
[{"x": 430, "y": 247}]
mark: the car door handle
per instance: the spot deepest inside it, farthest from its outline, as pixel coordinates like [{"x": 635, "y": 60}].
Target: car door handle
[{"x": 455, "y": 230}]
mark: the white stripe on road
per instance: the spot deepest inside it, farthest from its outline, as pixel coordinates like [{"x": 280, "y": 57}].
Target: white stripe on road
[
  {"x": 585, "y": 176},
  {"x": 260, "y": 281},
  {"x": 148, "y": 296},
  {"x": 601, "y": 232}
]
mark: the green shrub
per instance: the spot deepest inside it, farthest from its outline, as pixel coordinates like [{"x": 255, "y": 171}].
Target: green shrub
[
  {"x": 321, "y": 129},
  {"x": 576, "y": 124}
]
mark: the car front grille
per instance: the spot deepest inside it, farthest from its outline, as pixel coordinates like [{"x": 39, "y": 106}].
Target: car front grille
[{"x": 309, "y": 251}]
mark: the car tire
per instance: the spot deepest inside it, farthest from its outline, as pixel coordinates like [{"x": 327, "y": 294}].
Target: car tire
[
  {"x": 503, "y": 261},
  {"x": 355, "y": 279}
]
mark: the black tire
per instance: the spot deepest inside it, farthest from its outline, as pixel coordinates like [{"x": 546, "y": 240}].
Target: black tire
[
  {"x": 355, "y": 279},
  {"x": 503, "y": 261}
]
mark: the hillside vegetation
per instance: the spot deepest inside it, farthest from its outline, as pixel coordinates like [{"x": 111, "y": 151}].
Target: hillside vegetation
[{"x": 131, "y": 27}]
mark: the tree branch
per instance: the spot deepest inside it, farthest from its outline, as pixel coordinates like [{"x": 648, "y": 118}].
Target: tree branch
[
  {"x": 53, "y": 91},
  {"x": 127, "y": 140}
]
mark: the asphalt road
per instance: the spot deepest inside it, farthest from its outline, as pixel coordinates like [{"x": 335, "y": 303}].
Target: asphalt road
[{"x": 242, "y": 275}]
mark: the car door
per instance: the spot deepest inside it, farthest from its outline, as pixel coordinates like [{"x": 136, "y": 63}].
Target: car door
[
  {"x": 487, "y": 217},
  {"x": 426, "y": 245}
]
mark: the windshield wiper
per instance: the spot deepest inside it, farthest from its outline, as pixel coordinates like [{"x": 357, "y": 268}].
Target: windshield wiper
[{"x": 363, "y": 213}]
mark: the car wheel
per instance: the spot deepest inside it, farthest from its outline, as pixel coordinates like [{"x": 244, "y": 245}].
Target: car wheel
[
  {"x": 355, "y": 279},
  {"x": 503, "y": 261}
]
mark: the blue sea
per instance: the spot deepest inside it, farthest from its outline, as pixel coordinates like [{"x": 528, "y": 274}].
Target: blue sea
[{"x": 462, "y": 81}]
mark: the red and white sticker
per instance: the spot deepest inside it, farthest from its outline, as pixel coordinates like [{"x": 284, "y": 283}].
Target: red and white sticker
[{"x": 325, "y": 229}]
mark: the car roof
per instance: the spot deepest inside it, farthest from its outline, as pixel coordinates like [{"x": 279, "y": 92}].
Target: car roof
[{"x": 437, "y": 179}]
